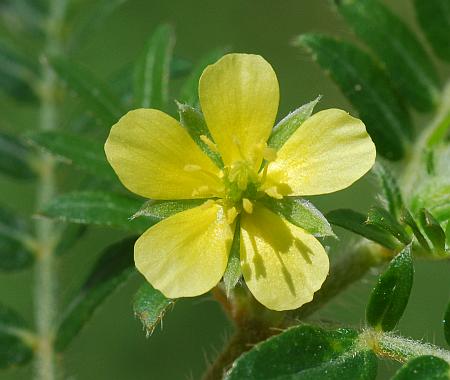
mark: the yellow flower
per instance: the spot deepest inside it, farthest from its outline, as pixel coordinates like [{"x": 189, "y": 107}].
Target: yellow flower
[{"x": 186, "y": 254}]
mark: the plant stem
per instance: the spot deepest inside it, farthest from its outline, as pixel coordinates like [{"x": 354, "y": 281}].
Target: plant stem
[{"x": 45, "y": 281}]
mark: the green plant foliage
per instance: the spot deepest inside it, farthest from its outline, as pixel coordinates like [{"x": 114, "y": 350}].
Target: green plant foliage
[
  {"x": 71, "y": 234},
  {"x": 424, "y": 368},
  {"x": 83, "y": 153},
  {"x": 233, "y": 271},
  {"x": 367, "y": 87},
  {"x": 301, "y": 213},
  {"x": 391, "y": 293},
  {"x": 382, "y": 219},
  {"x": 433, "y": 230},
  {"x": 157, "y": 210},
  {"x": 434, "y": 18},
  {"x": 15, "y": 343},
  {"x": 307, "y": 352},
  {"x": 151, "y": 77},
  {"x": 289, "y": 124},
  {"x": 408, "y": 219},
  {"x": 356, "y": 222},
  {"x": 113, "y": 267},
  {"x": 194, "y": 122},
  {"x": 95, "y": 207},
  {"x": 391, "y": 191},
  {"x": 406, "y": 61},
  {"x": 150, "y": 306},
  {"x": 15, "y": 254},
  {"x": 447, "y": 324},
  {"x": 95, "y": 95},
  {"x": 15, "y": 158}
]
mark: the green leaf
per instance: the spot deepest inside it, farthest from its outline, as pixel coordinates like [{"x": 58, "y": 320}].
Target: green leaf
[
  {"x": 391, "y": 293},
  {"x": 289, "y": 124},
  {"x": 433, "y": 230},
  {"x": 189, "y": 89},
  {"x": 15, "y": 341},
  {"x": 157, "y": 210},
  {"x": 151, "y": 81},
  {"x": 307, "y": 353},
  {"x": 425, "y": 367},
  {"x": 447, "y": 324},
  {"x": 382, "y": 219},
  {"x": 408, "y": 219},
  {"x": 15, "y": 158},
  {"x": 233, "y": 271},
  {"x": 149, "y": 306},
  {"x": 93, "y": 93},
  {"x": 95, "y": 207},
  {"x": 15, "y": 253},
  {"x": 194, "y": 122},
  {"x": 69, "y": 237},
  {"x": 301, "y": 213},
  {"x": 367, "y": 87},
  {"x": 390, "y": 189},
  {"x": 356, "y": 222},
  {"x": 111, "y": 270},
  {"x": 434, "y": 18},
  {"x": 407, "y": 63},
  {"x": 85, "y": 154}
]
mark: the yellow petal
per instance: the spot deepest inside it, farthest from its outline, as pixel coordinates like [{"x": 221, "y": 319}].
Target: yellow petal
[
  {"x": 186, "y": 254},
  {"x": 329, "y": 152},
  {"x": 282, "y": 264},
  {"x": 239, "y": 97},
  {"x": 152, "y": 154}
]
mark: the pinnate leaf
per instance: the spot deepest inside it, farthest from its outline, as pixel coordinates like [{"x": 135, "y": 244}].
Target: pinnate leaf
[{"x": 15, "y": 158}]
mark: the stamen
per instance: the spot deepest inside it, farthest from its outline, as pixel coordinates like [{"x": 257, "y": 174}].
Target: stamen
[
  {"x": 192, "y": 168},
  {"x": 248, "y": 206},
  {"x": 273, "y": 192},
  {"x": 202, "y": 190},
  {"x": 209, "y": 143},
  {"x": 231, "y": 215},
  {"x": 269, "y": 154}
]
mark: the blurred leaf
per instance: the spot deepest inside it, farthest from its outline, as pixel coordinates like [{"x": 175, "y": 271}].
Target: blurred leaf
[
  {"x": 69, "y": 237},
  {"x": 434, "y": 18},
  {"x": 367, "y": 87},
  {"x": 112, "y": 268},
  {"x": 194, "y": 122},
  {"x": 189, "y": 89},
  {"x": 408, "y": 219},
  {"x": 15, "y": 157},
  {"x": 433, "y": 230},
  {"x": 149, "y": 306},
  {"x": 391, "y": 293},
  {"x": 307, "y": 353},
  {"x": 390, "y": 189},
  {"x": 151, "y": 82},
  {"x": 301, "y": 213},
  {"x": 382, "y": 219},
  {"x": 407, "y": 63},
  {"x": 447, "y": 234},
  {"x": 157, "y": 210},
  {"x": 14, "y": 252},
  {"x": 356, "y": 222},
  {"x": 290, "y": 123},
  {"x": 425, "y": 367},
  {"x": 447, "y": 324},
  {"x": 233, "y": 271},
  {"x": 95, "y": 207},
  {"x": 15, "y": 343},
  {"x": 92, "y": 92},
  {"x": 85, "y": 154}
]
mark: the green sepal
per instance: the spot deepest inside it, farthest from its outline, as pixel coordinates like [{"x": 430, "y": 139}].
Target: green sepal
[
  {"x": 112, "y": 268},
  {"x": 391, "y": 191},
  {"x": 390, "y": 296},
  {"x": 157, "y": 210},
  {"x": 433, "y": 230},
  {"x": 233, "y": 270},
  {"x": 409, "y": 67},
  {"x": 152, "y": 71},
  {"x": 382, "y": 219},
  {"x": 150, "y": 306},
  {"x": 367, "y": 87},
  {"x": 15, "y": 158},
  {"x": 356, "y": 222},
  {"x": 425, "y": 367},
  {"x": 286, "y": 127},
  {"x": 408, "y": 219},
  {"x": 95, "y": 207},
  {"x": 301, "y": 213},
  {"x": 446, "y": 322},
  {"x": 83, "y": 153},
  {"x": 16, "y": 345},
  {"x": 194, "y": 122},
  {"x": 307, "y": 353}
]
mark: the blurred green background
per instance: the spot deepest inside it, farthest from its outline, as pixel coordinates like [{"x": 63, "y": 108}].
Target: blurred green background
[{"x": 113, "y": 345}]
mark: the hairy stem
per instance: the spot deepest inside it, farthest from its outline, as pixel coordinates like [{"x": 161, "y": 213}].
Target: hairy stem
[{"x": 45, "y": 281}]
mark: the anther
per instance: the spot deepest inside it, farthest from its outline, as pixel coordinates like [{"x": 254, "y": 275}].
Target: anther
[
  {"x": 231, "y": 215},
  {"x": 248, "y": 206},
  {"x": 192, "y": 168},
  {"x": 273, "y": 192},
  {"x": 269, "y": 154},
  {"x": 206, "y": 140}
]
